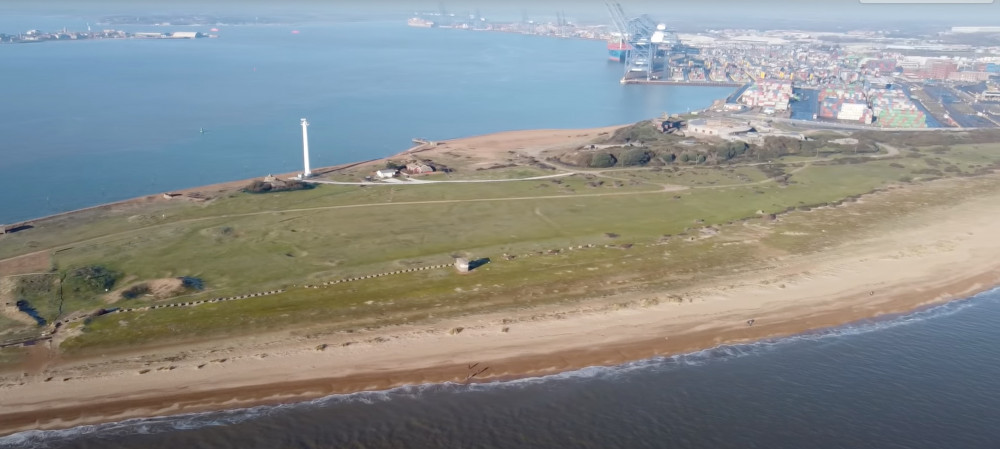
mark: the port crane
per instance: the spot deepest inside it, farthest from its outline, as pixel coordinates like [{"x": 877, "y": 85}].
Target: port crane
[{"x": 647, "y": 43}]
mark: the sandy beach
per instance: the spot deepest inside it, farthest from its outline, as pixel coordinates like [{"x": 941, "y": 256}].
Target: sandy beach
[{"x": 932, "y": 256}]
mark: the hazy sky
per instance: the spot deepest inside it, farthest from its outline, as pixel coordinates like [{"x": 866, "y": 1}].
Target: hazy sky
[{"x": 707, "y": 12}]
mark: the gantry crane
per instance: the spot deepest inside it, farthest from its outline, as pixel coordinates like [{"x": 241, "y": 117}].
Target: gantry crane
[{"x": 647, "y": 43}]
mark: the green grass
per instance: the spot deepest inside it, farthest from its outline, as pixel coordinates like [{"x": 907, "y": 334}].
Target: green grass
[
  {"x": 245, "y": 243},
  {"x": 11, "y": 356},
  {"x": 693, "y": 175},
  {"x": 12, "y": 330},
  {"x": 519, "y": 172}
]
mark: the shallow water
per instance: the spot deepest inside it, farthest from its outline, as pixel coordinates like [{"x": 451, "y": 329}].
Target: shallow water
[{"x": 921, "y": 380}]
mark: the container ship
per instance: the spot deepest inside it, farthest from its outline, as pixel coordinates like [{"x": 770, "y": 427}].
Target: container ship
[
  {"x": 618, "y": 48},
  {"x": 420, "y": 23}
]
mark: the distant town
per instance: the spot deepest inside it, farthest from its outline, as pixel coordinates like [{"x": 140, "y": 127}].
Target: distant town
[
  {"x": 861, "y": 79},
  {"x": 33, "y": 36},
  {"x": 185, "y": 20}
]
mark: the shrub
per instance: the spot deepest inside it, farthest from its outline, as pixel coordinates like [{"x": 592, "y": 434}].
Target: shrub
[
  {"x": 192, "y": 283},
  {"x": 928, "y": 171},
  {"x": 258, "y": 186},
  {"x": 643, "y": 131},
  {"x": 603, "y": 160},
  {"x": 730, "y": 150},
  {"x": 95, "y": 277},
  {"x": 635, "y": 156},
  {"x": 135, "y": 291}
]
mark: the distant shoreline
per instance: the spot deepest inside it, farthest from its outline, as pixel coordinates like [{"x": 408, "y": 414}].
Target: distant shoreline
[{"x": 237, "y": 184}]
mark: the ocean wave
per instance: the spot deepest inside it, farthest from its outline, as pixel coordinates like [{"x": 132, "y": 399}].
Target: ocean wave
[{"x": 191, "y": 421}]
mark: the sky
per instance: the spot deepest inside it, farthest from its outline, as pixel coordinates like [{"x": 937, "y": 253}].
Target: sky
[{"x": 692, "y": 12}]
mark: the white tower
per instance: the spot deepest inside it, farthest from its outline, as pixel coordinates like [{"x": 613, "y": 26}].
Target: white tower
[{"x": 305, "y": 148}]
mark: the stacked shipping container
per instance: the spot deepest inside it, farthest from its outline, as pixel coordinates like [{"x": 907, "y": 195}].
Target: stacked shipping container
[
  {"x": 844, "y": 103},
  {"x": 768, "y": 94},
  {"x": 895, "y": 110}
]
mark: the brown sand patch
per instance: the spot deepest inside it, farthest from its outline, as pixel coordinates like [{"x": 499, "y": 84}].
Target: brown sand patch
[
  {"x": 28, "y": 263},
  {"x": 8, "y": 300},
  {"x": 509, "y": 147},
  {"x": 158, "y": 289}
]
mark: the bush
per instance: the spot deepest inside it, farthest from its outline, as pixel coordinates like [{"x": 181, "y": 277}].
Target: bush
[
  {"x": 95, "y": 277},
  {"x": 258, "y": 186},
  {"x": 635, "y": 156},
  {"x": 643, "y": 131},
  {"x": 603, "y": 160},
  {"x": 730, "y": 150},
  {"x": 192, "y": 283},
  {"x": 135, "y": 291}
]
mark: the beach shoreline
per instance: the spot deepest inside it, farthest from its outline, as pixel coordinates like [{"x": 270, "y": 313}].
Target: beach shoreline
[
  {"x": 173, "y": 400},
  {"x": 935, "y": 255}
]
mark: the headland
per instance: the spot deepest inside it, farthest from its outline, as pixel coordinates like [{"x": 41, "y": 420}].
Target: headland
[{"x": 598, "y": 247}]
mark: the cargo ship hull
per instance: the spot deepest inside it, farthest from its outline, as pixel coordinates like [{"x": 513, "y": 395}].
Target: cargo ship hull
[
  {"x": 618, "y": 50},
  {"x": 420, "y": 23}
]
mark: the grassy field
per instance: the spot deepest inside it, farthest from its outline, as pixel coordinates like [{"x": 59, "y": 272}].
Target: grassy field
[
  {"x": 643, "y": 237},
  {"x": 687, "y": 176}
]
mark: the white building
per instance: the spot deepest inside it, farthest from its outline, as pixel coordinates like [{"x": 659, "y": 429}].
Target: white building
[
  {"x": 980, "y": 29},
  {"x": 386, "y": 173}
]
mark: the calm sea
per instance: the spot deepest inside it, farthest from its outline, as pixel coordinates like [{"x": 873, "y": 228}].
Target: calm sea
[
  {"x": 922, "y": 380},
  {"x": 90, "y": 122}
]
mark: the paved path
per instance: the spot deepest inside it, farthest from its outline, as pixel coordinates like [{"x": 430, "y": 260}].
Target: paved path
[{"x": 410, "y": 181}]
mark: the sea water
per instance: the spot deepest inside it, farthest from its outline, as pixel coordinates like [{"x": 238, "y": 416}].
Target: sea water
[
  {"x": 921, "y": 380},
  {"x": 89, "y": 122}
]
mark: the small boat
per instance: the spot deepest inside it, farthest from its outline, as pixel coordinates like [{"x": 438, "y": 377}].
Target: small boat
[{"x": 202, "y": 131}]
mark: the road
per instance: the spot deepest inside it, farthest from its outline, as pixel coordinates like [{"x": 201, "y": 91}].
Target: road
[
  {"x": 826, "y": 125},
  {"x": 410, "y": 181}
]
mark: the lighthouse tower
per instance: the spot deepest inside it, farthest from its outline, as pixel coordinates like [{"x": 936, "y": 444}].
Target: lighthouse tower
[{"x": 306, "y": 172}]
